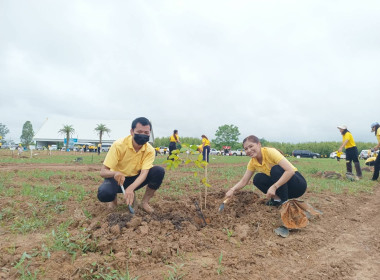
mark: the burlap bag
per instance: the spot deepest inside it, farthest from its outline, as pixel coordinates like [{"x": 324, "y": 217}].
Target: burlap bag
[{"x": 294, "y": 213}]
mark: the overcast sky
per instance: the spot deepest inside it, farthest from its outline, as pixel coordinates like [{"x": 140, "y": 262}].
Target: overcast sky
[{"x": 287, "y": 71}]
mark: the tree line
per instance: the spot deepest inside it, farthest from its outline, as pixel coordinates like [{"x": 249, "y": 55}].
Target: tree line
[{"x": 226, "y": 135}]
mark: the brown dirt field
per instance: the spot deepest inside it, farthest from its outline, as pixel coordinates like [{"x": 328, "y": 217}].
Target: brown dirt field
[{"x": 344, "y": 243}]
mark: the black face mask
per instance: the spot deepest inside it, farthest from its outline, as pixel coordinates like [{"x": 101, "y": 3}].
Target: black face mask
[{"x": 141, "y": 139}]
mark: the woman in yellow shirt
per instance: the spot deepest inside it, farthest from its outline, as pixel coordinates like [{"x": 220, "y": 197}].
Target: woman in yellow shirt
[
  {"x": 276, "y": 176},
  {"x": 174, "y": 139},
  {"x": 376, "y": 128},
  {"x": 205, "y": 148},
  {"x": 352, "y": 153}
]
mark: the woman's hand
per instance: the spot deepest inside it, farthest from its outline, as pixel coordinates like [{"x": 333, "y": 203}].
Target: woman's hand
[
  {"x": 230, "y": 193},
  {"x": 271, "y": 192}
]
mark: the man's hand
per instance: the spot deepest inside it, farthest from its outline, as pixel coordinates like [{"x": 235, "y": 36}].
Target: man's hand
[
  {"x": 271, "y": 192},
  {"x": 340, "y": 150},
  {"x": 119, "y": 178},
  {"x": 129, "y": 196}
]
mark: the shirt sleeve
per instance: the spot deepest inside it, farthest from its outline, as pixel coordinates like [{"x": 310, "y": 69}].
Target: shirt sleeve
[
  {"x": 251, "y": 166},
  {"x": 112, "y": 157},
  {"x": 148, "y": 161},
  {"x": 275, "y": 155}
]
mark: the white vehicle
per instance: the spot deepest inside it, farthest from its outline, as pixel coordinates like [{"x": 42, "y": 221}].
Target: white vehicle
[
  {"x": 238, "y": 152},
  {"x": 53, "y": 148},
  {"x": 334, "y": 155},
  {"x": 106, "y": 147},
  {"x": 365, "y": 154},
  {"x": 164, "y": 150},
  {"x": 215, "y": 152}
]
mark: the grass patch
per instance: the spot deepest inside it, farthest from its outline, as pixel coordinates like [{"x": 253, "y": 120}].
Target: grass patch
[{"x": 61, "y": 239}]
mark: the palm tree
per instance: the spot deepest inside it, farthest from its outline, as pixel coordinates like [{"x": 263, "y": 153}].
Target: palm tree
[
  {"x": 67, "y": 130},
  {"x": 100, "y": 129}
]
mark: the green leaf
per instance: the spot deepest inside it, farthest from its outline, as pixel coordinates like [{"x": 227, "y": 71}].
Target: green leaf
[
  {"x": 194, "y": 147},
  {"x": 195, "y": 174}
]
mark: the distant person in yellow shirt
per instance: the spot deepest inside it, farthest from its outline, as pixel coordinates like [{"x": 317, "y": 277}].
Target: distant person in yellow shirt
[
  {"x": 129, "y": 163},
  {"x": 352, "y": 153},
  {"x": 276, "y": 176},
  {"x": 376, "y": 128},
  {"x": 174, "y": 139},
  {"x": 99, "y": 147},
  {"x": 205, "y": 148}
]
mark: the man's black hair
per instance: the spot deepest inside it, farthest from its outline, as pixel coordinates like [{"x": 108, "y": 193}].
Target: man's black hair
[{"x": 143, "y": 121}]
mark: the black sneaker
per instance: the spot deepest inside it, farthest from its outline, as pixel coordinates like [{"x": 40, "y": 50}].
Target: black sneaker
[{"x": 273, "y": 202}]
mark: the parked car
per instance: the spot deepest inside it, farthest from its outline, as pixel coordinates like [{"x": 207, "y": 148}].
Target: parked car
[
  {"x": 164, "y": 150},
  {"x": 53, "y": 147},
  {"x": 365, "y": 154},
  {"x": 334, "y": 155},
  {"x": 106, "y": 147},
  {"x": 238, "y": 152},
  {"x": 305, "y": 153},
  {"x": 215, "y": 152},
  {"x": 8, "y": 146}
]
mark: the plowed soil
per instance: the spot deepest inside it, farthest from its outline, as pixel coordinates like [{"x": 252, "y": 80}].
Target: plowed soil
[{"x": 174, "y": 242}]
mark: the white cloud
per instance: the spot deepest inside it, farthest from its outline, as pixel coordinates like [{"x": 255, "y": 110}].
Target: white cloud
[{"x": 283, "y": 70}]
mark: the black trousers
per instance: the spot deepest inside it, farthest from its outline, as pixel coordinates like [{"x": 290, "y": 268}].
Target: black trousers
[
  {"x": 109, "y": 188},
  {"x": 294, "y": 188},
  {"x": 172, "y": 147},
  {"x": 206, "y": 153},
  {"x": 352, "y": 154},
  {"x": 377, "y": 168}
]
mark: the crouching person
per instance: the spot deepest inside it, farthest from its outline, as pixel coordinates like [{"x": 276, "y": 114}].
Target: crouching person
[
  {"x": 276, "y": 176},
  {"x": 129, "y": 163}
]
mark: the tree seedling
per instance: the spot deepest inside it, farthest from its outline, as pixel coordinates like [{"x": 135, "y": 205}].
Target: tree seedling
[{"x": 176, "y": 158}]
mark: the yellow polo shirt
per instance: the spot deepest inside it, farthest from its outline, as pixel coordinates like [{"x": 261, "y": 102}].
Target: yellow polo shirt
[
  {"x": 378, "y": 135},
  {"x": 351, "y": 142},
  {"x": 172, "y": 139},
  {"x": 271, "y": 157},
  {"x": 122, "y": 157},
  {"x": 206, "y": 142}
]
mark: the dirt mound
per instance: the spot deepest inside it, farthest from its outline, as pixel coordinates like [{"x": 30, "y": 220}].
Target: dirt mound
[{"x": 174, "y": 243}]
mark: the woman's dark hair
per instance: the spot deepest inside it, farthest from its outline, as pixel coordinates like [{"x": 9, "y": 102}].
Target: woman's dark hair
[
  {"x": 143, "y": 121},
  {"x": 204, "y": 136},
  {"x": 251, "y": 138},
  {"x": 345, "y": 131},
  {"x": 376, "y": 128},
  {"x": 174, "y": 134}
]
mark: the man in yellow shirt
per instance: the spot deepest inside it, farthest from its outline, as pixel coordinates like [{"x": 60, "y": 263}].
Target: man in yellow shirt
[
  {"x": 352, "y": 153},
  {"x": 129, "y": 163},
  {"x": 376, "y": 128}
]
